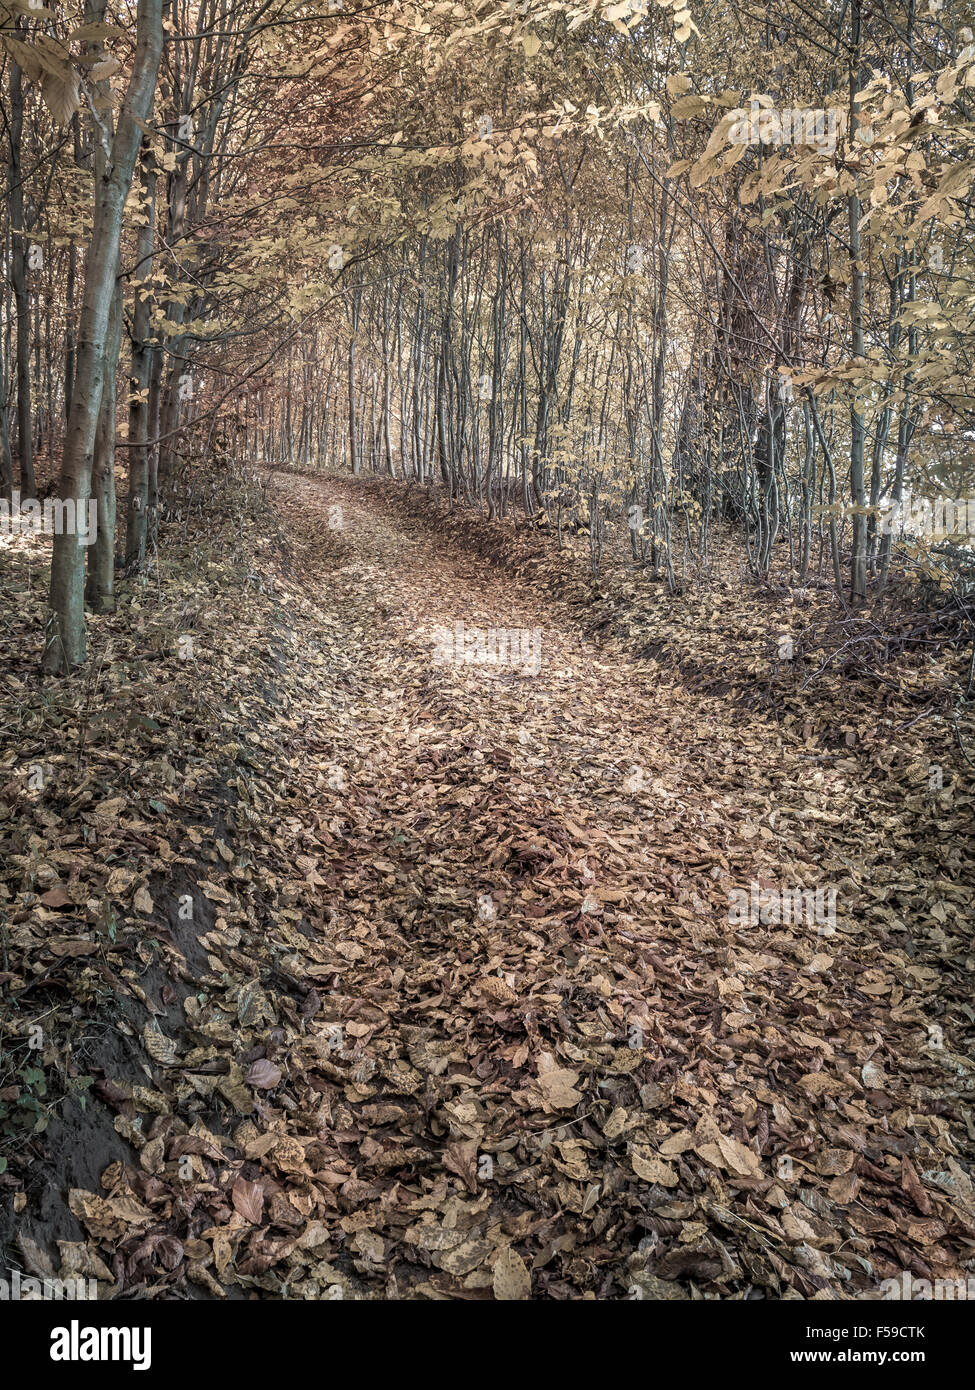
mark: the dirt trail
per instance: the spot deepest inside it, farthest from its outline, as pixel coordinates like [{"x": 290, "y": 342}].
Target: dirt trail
[{"x": 554, "y": 1044}]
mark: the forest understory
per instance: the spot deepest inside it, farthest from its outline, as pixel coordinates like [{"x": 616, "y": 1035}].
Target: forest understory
[{"x": 366, "y": 974}]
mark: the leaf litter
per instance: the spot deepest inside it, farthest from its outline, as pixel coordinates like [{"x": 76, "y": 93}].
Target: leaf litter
[{"x": 412, "y": 979}]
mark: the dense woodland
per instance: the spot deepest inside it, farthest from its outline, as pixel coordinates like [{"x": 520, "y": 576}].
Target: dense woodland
[
  {"x": 514, "y": 250},
  {"x": 645, "y": 327}
]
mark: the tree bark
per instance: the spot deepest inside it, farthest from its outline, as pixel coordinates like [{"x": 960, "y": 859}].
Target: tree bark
[
  {"x": 100, "y": 584},
  {"x": 138, "y": 501},
  {"x": 18, "y": 276},
  {"x": 65, "y": 636}
]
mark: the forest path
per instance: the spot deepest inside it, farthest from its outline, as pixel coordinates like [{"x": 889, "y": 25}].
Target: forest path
[{"x": 552, "y": 1038}]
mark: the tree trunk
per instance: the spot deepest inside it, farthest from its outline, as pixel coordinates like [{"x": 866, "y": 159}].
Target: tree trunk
[
  {"x": 65, "y": 636},
  {"x": 100, "y": 584},
  {"x": 138, "y": 503},
  {"x": 18, "y": 276}
]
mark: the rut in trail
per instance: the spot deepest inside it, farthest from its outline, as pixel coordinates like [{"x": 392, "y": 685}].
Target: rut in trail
[{"x": 543, "y": 1051}]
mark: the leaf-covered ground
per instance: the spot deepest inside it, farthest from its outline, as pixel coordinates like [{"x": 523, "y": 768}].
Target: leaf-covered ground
[{"x": 356, "y": 973}]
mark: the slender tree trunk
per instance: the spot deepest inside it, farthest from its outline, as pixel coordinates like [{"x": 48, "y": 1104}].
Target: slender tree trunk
[
  {"x": 858, "y": 561},
  {"x": 100, "y": 584},
  {"x": 138, "y": 502},
  {"x": 18, "y": 276},
  {"x": 65, "y": 635}
]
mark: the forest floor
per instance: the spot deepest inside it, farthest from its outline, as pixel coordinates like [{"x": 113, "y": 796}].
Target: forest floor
[{"x": 382, "y": 974}]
